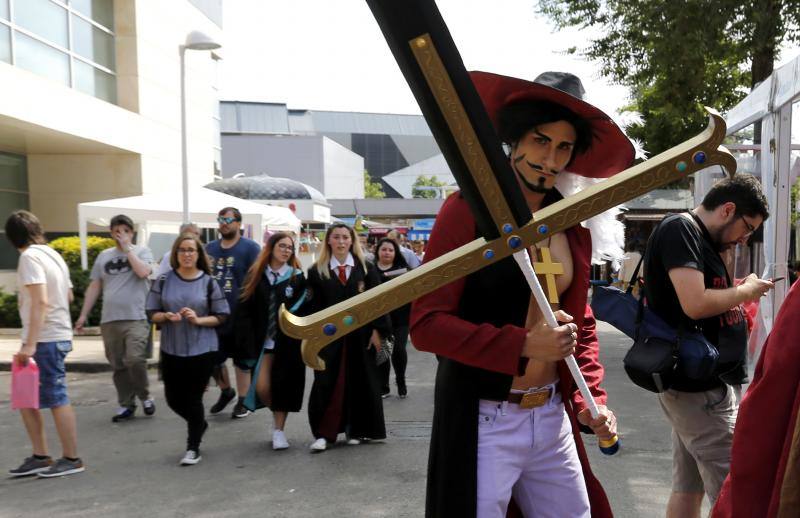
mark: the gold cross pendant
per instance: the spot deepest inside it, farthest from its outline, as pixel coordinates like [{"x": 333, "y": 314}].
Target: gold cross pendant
[{"x": 549, "y": 269}]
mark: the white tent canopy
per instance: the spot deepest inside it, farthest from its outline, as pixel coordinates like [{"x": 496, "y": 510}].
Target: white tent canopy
[
  {"x": 771, "y": 103},
  {"x": 165, "y": 208}
]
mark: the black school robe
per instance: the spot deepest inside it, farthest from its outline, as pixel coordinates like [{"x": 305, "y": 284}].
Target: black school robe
[
  {"x": 361, "y": 412},
  {"x": 250, "y": 326}
]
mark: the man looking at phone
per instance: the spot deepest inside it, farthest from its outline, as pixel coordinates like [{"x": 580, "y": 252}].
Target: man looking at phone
[
  {"x": 122, "y": 274},
  {"x": 688, "y": 286}
]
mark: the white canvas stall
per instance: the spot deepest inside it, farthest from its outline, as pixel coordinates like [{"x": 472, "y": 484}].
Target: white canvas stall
[
  {"x": 165, "y": 208},
  {"x": 771, "y": 103}
]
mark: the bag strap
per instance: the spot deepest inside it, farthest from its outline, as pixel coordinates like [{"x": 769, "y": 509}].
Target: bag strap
[
  {"x": 643, "y": 288},
  {"x": 635, "y": 276}
]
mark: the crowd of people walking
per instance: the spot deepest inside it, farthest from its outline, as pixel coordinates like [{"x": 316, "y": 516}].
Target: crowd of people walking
[{"x": 211, "y": 303}]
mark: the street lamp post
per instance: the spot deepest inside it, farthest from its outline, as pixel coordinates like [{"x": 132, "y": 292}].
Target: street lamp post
[{"x": 195, "y": 40}]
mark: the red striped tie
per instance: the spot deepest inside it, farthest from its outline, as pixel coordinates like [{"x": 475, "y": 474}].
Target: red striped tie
[{"x": 342, "y": 273}]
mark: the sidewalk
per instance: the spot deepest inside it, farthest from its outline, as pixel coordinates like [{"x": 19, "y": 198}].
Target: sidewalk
[{"x": 87, "y": 353}]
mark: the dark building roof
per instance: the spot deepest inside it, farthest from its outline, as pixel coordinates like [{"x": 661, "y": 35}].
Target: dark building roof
[{"x": 265, "y": 187}]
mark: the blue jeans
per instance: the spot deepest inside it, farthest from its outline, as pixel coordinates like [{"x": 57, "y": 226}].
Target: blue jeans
[{"x": 49, "y": 356}]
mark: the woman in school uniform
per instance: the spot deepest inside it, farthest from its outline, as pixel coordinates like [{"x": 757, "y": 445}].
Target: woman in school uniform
[
  {"x": 346, "y": 396},
  {"x": 279, "y": 375},
  {"x": 390, "y": 263}
]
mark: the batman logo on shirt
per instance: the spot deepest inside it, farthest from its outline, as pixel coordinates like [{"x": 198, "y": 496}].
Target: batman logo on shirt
[{"x": 117, "y": 265}]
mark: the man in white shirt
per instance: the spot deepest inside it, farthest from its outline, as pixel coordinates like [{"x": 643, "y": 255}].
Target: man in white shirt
[{"x": 45, "y": 292}]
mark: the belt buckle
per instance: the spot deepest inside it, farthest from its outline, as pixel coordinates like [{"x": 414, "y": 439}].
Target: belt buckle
[{"x": 535, "y": 399}]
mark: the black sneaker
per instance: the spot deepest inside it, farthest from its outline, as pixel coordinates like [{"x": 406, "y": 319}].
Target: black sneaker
[
  {"x": 239, "y": 410},
  {"x": 402, "y": 390},
  {"x": 62, "y": 467},
  {"x": 123, "y": 414},
  {"x": 149, "y": 406},
  {"x": 225, "y": 397},
  {"x": 31, "y": 466}
]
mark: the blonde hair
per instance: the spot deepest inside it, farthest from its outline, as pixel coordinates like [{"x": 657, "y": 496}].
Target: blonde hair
[{"x": 323, "y": 262}]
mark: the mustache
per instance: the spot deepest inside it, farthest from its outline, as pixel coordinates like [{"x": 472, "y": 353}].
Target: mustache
[
  {"x": 533, "y": 165},
  {"x": 530, "y": 186}
]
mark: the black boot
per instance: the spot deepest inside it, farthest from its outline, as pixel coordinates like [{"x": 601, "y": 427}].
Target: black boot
[{"x": 402, "y": 391}]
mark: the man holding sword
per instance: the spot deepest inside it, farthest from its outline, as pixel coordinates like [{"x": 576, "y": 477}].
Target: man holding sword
[{"x": 507, "y": 413}]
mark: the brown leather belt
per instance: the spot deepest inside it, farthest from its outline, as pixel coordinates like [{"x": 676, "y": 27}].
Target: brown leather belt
[{"x": 533, "y": 398}]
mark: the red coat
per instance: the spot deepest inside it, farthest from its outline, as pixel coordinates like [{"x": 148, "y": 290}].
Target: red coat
[
  {"x": 474, "y": 352},
  {"x": 764, "y": 481}
]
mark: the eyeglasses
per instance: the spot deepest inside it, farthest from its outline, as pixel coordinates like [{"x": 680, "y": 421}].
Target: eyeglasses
[
  {"x": 226, "y": 220},
  {"x": 284, "y": 246},
  {"x": 187, "y": 251},
  {"x": 750, "y": 228}
]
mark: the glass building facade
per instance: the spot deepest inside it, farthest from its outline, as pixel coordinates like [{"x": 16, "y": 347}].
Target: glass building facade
[
  {"x": 13, "y": 196},
  {"x": 69, "y": 41}
]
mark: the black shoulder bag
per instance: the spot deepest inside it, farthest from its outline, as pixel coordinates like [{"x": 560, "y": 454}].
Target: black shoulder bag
[{"x": 659, "y": 352}]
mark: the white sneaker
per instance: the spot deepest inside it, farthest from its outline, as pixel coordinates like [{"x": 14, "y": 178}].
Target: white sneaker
[
  {"x": 319, "y": 445},
  {"x": 191, "y": 458},
  {"x": 279, "y": 441},
  {"x": 353, "y": 442}
]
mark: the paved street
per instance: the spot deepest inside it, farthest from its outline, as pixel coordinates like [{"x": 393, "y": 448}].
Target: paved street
[{"x": 132, "y": 468}]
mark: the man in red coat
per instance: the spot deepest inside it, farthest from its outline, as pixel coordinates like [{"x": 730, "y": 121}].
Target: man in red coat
[
  {"x": 764, "y": 480},
  {"x": 507, "y": 413}
]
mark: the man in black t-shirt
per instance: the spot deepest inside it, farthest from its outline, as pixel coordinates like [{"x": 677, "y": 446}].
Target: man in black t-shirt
[{"x": 687, "y": 282}]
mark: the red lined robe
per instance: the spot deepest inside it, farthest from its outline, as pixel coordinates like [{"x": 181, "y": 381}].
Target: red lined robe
[
  {"x": 475, "y": 325},
  {"x": 764, "y": 480}
]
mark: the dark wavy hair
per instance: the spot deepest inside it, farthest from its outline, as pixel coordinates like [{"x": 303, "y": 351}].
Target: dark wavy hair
[
  {"x": 23, "y": 228},
  {"x": 516, "y": 119},
  {"x": 744, "y": 190},
  {"x": 399, "y": 260}
]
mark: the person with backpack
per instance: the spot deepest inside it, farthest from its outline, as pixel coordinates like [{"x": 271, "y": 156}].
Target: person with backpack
[
  {"x": 188, "y": 303},
  {"x": 688, "y": 286}
]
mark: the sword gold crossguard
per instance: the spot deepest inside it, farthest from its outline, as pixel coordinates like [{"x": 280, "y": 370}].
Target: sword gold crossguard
[{"x": 328, "y": 325}]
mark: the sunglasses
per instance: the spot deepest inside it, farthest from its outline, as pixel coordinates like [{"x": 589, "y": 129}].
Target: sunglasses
[{"x": 226, "y": 220}]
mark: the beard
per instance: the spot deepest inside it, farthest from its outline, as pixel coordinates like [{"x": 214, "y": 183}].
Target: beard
[
  {"x": 541, "y": 189},
  {"x": 531, "y": 186},
  {"x": 717, "y": 238},
  {"x": 229, "y": 235}
]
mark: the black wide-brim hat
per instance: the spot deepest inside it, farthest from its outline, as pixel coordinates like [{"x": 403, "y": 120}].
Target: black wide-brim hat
[{"x": 610, "y": 152}]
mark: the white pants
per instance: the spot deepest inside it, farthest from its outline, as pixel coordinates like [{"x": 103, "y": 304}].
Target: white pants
[{"x": 530, "y": 454}]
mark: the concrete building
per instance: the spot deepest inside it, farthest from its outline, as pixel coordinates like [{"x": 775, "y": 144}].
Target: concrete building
[
  {"x": 90, "y": 104},
  {"x": 323, "y": 148}
]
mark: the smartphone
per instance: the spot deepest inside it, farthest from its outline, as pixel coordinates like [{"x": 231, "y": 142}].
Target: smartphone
[{"x": 773, "y": 281}]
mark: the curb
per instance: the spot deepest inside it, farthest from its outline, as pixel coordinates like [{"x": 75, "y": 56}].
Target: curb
[{"x": 84, "y": 366}]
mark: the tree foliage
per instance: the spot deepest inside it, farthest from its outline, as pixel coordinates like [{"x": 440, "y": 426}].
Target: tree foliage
[
  {"x": 372, "y": 189},
  {"x": 425, "y": 181},
  {"x": 677, "y": 57}
]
